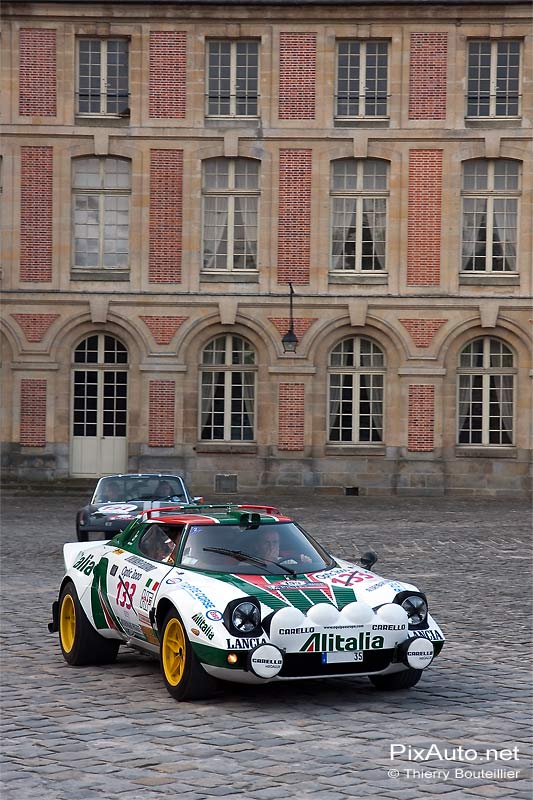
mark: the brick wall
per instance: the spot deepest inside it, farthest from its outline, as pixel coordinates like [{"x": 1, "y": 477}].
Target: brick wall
[
  {"x": 163, "y": 328},
  {"x": 37, "y": 72},
  {"x": 166, "y": 189},
  {"x": 294, "y": 223},
  {"x": 421, "y": 421},
  {"x": 34, "y": 326},
  {"x": 422, "y": 331},
  {"x": 168, "y": 74},
  {"x": 297, "y": 75},
  {"x": 161, "y": 413},
  {"x": 291, "y": 416},
  {"x": 301, "y": 326},
  {"x": 424, "y": 218},
  {"x": 427, "y": 76},
  {"x": 32, "y": 412},
  {"x": 36, "y": 200}
]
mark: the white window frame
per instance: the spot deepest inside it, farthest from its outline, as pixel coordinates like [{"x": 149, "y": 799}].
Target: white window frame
[
  {"x": 228, "y": 368},
  {"x": 359, "y": 195},
  {"x": 231, "y": 193},
  {"x": 233, "y": 43},
  {"x": 490, "y": 195},
  {"x": 362, "y": 94},
  {"x": 103, "y": 77},
  {"x": 356, "y": 372},
  {"x": 101, "y": 193},
  {"x": 486, "y": 372},
  {"x": 493, "y": 84}
]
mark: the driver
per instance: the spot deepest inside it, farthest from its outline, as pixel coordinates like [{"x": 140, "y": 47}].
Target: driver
[
  {"x": 268, "y": 546},
  {"x": 165, "y": 491},
  {"x": 112, "y": 493}
]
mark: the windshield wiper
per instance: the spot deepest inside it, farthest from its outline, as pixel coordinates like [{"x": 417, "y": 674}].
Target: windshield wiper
[{"x": 241, "y": 556}]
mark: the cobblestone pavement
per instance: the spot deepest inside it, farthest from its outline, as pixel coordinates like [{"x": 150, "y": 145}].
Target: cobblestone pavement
[{"x": 114, "y": 732}]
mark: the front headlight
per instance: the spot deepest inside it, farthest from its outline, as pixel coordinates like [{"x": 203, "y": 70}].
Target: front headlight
[
  {"x": 246, "y": 617},
  {"x": 242, "y": 617},
  {"x": 416, "y": 608}
]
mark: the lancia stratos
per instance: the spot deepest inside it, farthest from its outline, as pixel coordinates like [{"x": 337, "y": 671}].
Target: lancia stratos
[{"x": 238, "y": 593}]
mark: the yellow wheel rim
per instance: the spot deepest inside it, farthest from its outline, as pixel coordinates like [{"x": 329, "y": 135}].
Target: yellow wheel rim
[
  {"x": 173, "y": 652},
  {"x": 67, "y": 623}
]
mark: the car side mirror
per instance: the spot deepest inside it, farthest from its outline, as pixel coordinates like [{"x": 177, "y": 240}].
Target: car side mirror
[
  {"x": 368, "y": 559},
  {"x": 199, "y": 500}
]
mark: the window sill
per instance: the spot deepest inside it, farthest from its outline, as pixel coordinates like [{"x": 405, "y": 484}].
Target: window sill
[
  {"x": 239, "y": 448},
  {"x": 230, "y": 277},
  {"x": 489, "y": 278},
  {"x": 99, "y": 120},
  {"x": 488, "y": 451},
  {"x": 355, "y": 450},
  {"x": 215, "y": 122},
  {"x": 359, "y": 277},
  {"x": 361, "y": 122},
  {"x": 99, "y": 275},
  {"x": 493, "y": 122}
]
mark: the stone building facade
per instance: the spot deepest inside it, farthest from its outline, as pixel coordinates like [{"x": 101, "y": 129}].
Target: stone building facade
[{"x": 175, "y": 174}]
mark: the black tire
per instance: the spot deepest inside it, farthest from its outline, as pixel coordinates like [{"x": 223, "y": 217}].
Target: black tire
[
  {"x": 184, "y": 676},
  {"x": 396, "y": 680},
  {"x": 80, "y": 643}
]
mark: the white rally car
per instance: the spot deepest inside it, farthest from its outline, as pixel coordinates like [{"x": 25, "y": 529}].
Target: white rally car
[{"x": 239, "y": 593}]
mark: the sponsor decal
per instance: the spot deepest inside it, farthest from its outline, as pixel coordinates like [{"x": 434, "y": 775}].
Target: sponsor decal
[
  {"x": 213, "y": 615},
  {"x": 141, "y": 563},
  {"x": 195, "y": 592},
  {"x": 419, "y": 654},
  {"x": 389, "y": 627},
  {"x": 195, "y": 631},
  {"x": 330, "y": 642},
  {"x": 432, "y": 635},
  {"x": 117, "y": 552},
  {"x": 153, "y": 586},
  {"x": 377, "y": 585},
  {"x": 147, "y": 600},
  {"x": 266, "y": 661},
  {"x": 130, "y": 628},
  {"x": 294, "y": 631},
  {"x": 117, "y": 508},
  {"x": 244, "y": 644},
  {"x": 85, "y": 563},
  {"x": 113, "y": 570},
  {"x": 128, "y": 572},
  {"x": 204, "y": 626},
  {"x": 173, "y": 581},
  {"x": 298, "y": 584},
  {"x": 121, "y": 516}
]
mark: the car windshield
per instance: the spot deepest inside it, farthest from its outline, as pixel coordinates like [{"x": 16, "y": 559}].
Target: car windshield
[
  {"x": 140, "y": 487},
  {"x": 278, "y": 547}
]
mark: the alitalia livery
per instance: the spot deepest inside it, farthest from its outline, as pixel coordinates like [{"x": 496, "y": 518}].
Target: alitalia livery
[{"x": 238, "y": 593}]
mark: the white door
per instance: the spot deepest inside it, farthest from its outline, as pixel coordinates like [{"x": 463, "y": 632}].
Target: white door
[{"x": 99, "y": 442}]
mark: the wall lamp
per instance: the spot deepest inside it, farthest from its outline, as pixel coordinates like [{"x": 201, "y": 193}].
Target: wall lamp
[{"x": 290, "y": 340}]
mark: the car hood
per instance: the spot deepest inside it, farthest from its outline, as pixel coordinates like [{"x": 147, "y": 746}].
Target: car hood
[{"x": 129, "y": 509}]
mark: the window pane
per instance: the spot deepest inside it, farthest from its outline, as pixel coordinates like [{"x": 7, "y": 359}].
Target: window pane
[
  {"x": 478, "y": 91},
  {"x": 348, "y": 79},
  {"x": 89, "y": 76}
]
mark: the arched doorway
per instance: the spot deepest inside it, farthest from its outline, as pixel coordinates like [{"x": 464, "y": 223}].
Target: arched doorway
[{"x": 99, "y": 441}]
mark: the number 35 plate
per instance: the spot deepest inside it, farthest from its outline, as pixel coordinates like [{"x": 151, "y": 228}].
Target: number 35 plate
[{"x": 336, "y": 658}]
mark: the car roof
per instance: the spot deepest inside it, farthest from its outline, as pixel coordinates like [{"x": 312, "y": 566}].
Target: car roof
[
  {"x": 142, "y": 475},
  {"x": 223, "y": 514}
]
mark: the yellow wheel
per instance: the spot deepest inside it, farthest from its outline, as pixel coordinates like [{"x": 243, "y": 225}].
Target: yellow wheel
[
  {"x": 80, "y": 641},
  {"x": 173, "y": 652},
  {"x": 67, "y": 623},
  {"x": 184, "y": 676}
]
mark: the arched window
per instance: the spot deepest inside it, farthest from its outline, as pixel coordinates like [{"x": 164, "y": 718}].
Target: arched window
[
  {"x": 230, "y": 190},
  {"x": 491, "y": 189},
  {"x": 227, "y": 390},
  {"x": 356, "y": 384},
  {"x": 359, "y": 191},
  {"x": 101, "y": 190},
  {"x": 485, "y": 393}
]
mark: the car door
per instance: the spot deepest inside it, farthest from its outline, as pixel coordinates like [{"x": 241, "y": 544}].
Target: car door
[{"x": 131, "y": 588}]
